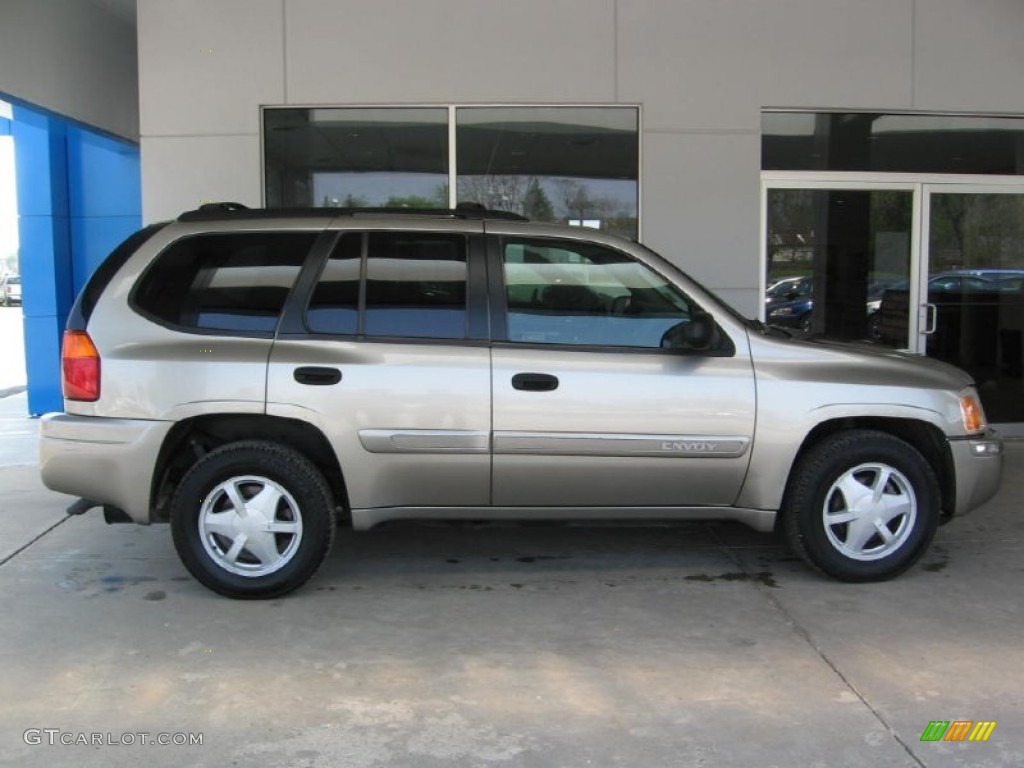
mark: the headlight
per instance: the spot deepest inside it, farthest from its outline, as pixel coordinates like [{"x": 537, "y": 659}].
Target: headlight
[{"x": 971, "y": 411}]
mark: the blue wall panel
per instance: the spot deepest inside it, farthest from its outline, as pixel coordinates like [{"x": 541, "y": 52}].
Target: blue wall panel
[
  {"x": 44, "y": 254},
  {"x": 92, "y": 238},
  {"x": 105, "y": 196},
  {"x": 79, "y": 196},
  {"x": 43, "y": 335}
]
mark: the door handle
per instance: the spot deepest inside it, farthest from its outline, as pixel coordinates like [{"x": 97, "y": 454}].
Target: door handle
[
  {"x": 931, "y": 319},
  {"x": 535, "y": 382},
  {"x": 316, "y": 376}
]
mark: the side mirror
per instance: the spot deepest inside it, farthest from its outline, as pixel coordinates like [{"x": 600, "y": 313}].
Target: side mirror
[{"x": 698, "y": 333}]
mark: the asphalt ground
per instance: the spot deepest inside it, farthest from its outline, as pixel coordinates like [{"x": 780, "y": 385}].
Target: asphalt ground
[{"x": 477, "y": 645}]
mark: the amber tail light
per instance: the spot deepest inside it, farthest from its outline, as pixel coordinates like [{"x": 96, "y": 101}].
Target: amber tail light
[{"x": 80, "y": 367}]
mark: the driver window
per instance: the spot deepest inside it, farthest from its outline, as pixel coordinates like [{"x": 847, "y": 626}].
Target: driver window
[{"x": 567, "y": 292}]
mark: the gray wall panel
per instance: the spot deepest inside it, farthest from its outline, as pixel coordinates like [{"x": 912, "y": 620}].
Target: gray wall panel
[
  {"x": 701, "y": 205},
  {"x": 701, "y": 69},
  {"x": 73, "y": 58},
  {"x": 205, "y": 67},
  {"x": 970, "y": 55},
  {"x": 180, "y": 173},
  {"x": 697, "y": 64},
  {"x": 373, "y": 51}
]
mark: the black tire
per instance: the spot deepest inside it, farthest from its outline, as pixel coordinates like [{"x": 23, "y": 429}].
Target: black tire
[
  {"x": 840, "y": 478},
  {"x": 296, "y": 503}
]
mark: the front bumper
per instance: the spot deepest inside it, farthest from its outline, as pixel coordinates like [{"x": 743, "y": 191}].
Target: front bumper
[
  {"x": 109, "y": 461},
  {"x": 978, "y": 463}
]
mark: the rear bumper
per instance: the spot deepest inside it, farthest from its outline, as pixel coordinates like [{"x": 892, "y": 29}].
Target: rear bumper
[
  {"x": 109, "y": 461},
  {"x": 978, "y": 462}
]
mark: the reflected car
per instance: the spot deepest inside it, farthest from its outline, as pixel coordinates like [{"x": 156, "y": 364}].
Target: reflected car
[
  {"x": 792, "y": 314},
  {"x": 891, "y": 324},
  {"x": 788, "y": 289},
  {"x": 10, "y": 290}
]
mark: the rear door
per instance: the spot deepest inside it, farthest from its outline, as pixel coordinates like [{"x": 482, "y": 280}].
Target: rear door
[
  {"x": 384, "y": 348},
  {"x": 589, "y": 409}
]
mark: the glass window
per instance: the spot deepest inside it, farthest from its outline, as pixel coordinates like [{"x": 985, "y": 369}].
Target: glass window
[
  {"x": 976, "y": 289},
  {"x": 416, "y": 285},
  {"x": 354, "y": 157},
  {"x": 576, "y": 165},
  {"x": 839, "y": 263},
  {"x": 897, "y": 143},
  {"x": 334, "y": 306},
  {"x": 235, "y": 282},
  {"x": 563, "y": 292}
]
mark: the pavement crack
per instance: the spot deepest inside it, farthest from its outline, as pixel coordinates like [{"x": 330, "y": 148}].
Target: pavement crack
[
  {"x": 805, "y": 634},
  {"x": 32, "y": 541}
]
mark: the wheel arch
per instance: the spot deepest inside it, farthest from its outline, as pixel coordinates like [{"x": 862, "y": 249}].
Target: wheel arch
[
  {"x": 192, "y": 438},
  {"x": 928, "y": 439}
]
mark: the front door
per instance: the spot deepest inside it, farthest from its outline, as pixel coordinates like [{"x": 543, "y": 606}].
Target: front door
[{"x": 589, "y": 409}]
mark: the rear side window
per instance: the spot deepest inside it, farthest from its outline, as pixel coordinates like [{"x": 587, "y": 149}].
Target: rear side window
[
  {"x": 224, "y": 282},
  {"x": 404, "y": 284},
  {"x": 97, "y": 283}
]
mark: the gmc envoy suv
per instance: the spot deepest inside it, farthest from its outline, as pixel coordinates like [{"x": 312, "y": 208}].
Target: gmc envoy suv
[{"x": 257, "y": 378}]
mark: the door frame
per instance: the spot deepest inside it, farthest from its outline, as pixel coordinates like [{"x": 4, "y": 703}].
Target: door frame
[{"x": 922, "y": 186}]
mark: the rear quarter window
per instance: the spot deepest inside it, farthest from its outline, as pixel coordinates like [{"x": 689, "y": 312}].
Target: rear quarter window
[{"x": 223, "y": 282}]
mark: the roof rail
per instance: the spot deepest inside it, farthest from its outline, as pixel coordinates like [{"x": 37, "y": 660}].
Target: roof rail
[{"x": 228, "y": 210}]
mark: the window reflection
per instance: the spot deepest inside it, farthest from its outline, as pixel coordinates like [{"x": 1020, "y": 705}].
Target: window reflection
[
  {"x": 581, "y": 294},
  {"x": 862, "y": 141},
  {"x": 393, "y": 157},
  {"x": 575, "y": 165},
  {"x": 834, "y": 260},
  {"x": 416, "y": 285}
]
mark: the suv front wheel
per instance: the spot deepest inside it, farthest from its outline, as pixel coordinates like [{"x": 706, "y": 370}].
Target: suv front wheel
[
  {"x": 862, "y": 505},
  {"x": 252, "y": 519}
]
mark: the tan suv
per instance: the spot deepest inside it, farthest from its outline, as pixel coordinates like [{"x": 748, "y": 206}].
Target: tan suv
[{"x": 255, "y": 377}]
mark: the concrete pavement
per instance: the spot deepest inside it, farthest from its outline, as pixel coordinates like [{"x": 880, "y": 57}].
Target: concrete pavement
[{"x": 688, "y": 645}]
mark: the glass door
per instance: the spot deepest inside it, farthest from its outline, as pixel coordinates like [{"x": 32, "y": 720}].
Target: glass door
[
  {"x": 839, "y": 261},
  {"x": 973, "y": 313}
]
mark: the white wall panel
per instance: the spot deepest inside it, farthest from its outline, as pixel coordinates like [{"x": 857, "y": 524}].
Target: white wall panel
[
  {"x": 181, "y": 173},
  {"x": 701, "y": 205},
  {"x": 970, "y": 55},
  {"x": 206, "y": 65},
  {"x": 73, "y": 58},
  {"x": 374, "y": 51},
  {"x": 713, "y": 64}
]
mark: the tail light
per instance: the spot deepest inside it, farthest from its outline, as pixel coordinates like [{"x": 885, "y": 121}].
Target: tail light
[{"x": 80, "y": 366}]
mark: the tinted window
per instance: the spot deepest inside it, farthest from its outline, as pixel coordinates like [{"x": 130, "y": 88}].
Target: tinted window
[
  {"x": 356, "y": 156},
  {"x": 224, "y": 282},
  {"x": 892, "y": 143},
  {"x": 576, "y": 293},
  {"x": 416, "y": 285},
  {"x": 577, "y": 165},
  {"x": 334, "y": 306}
]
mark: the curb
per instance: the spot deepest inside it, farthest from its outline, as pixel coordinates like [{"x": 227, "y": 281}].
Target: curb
[{"x": 12, "y": 391}]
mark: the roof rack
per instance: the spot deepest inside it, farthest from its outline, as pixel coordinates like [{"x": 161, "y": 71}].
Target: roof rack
[{"x": 228, "y": 210}]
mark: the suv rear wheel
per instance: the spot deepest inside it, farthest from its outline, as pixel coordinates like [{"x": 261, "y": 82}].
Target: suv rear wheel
[
  {"x": 252, "y": 520},
  {"x": 862, "y": 506}
]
